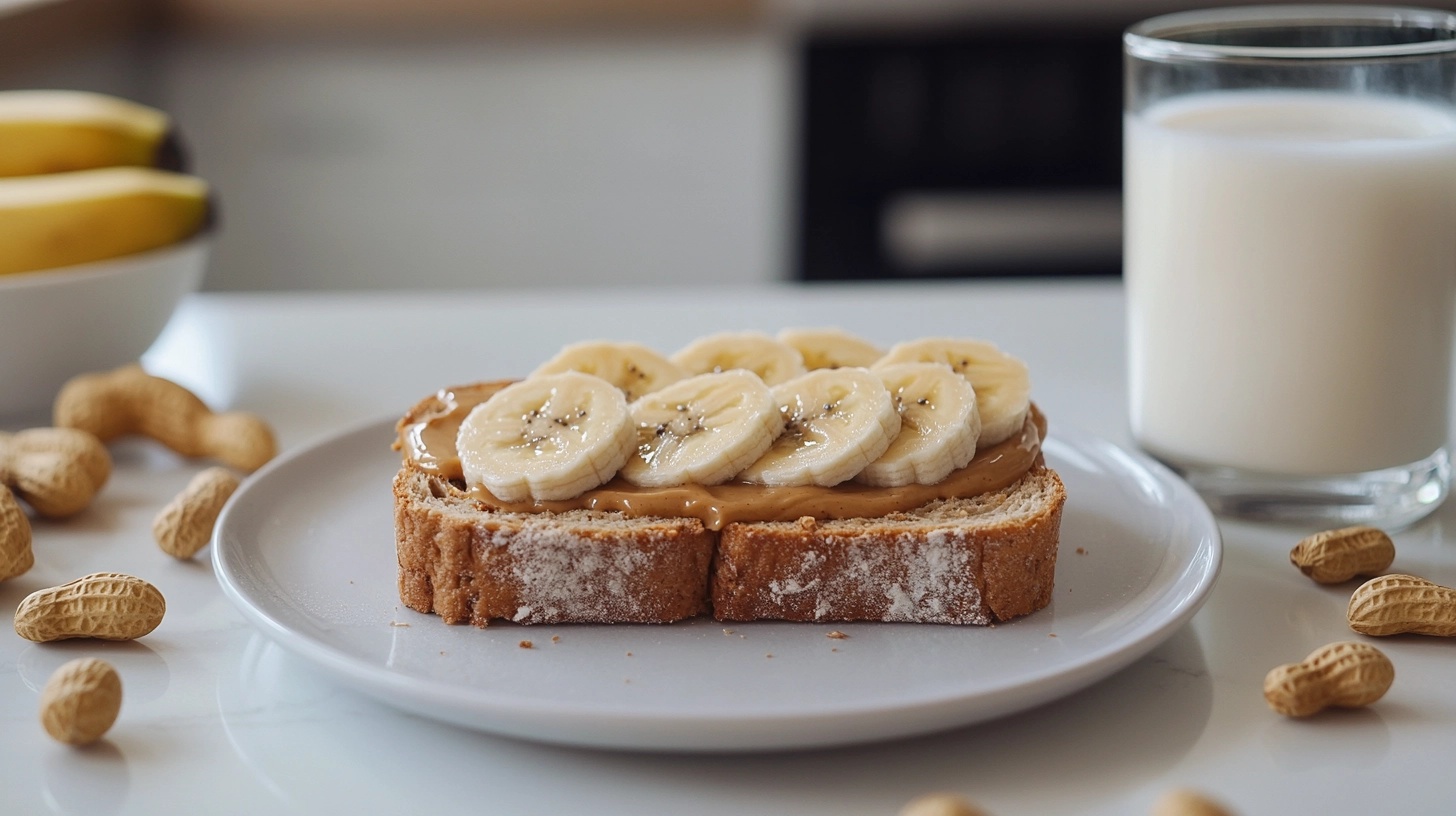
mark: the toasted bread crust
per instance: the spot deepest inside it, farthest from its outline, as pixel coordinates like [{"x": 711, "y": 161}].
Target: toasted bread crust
[
  {"x": 975, "y": 560},
  {"x": 965, "y": 561},
  {"x": 465, "y": 564}
]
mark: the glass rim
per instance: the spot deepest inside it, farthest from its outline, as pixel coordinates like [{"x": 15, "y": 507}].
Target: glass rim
[{"x": 1156, "y": 37}]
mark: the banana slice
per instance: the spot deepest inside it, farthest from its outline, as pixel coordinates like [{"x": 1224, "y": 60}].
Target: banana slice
[
  {"x": 836, "y": 421},
  {"x": 702, "y": 430},
  {"x": 1002, "y": 383},
  {"x": 771, "y": 360},
  {"x": 831, "y": 348},
  {"x": 632, "y": 367},
  {"x": 939, "y": 426},
  {"x": 547, "y": 438}
]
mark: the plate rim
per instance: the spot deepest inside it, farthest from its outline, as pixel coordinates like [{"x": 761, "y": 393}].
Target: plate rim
[{"x": 1007, "y": 696}]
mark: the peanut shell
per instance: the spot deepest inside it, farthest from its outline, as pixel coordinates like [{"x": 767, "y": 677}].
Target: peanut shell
[
  {"x": 80, "y": 702},
  {"x": 184, "y": 526},
  {"x": 16, "y": 555},
  {"x": 940, "y": 804},
  {"x": 1400, "y": 604},
  {"x": 1183, "y": 802},
  {"x": 57, "y": 471},
  {"x": 129, "y": 401},
  {"x": 1346, "y": 674},
  {"x": 106, "y": 605},
  {"x": 1336, "y": 556}
]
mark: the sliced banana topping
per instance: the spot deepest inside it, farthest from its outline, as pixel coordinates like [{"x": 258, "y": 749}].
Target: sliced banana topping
[
  {"x": 939, "y": 426},
  {"x": 831, "y": 348},
  {"x": 742, "y": 404},
  {"x": 836, "y": 421},
  {"x": 632, "y": 367},
  {"x": 1003, "y": 386},
  {"x": 771, "y": 360},
  {"x": 702, "y": 430},
  {"x": 546, "y": 438}
]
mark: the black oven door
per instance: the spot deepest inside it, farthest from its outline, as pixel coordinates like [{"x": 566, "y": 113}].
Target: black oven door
[{"x": 957, "y": 154}]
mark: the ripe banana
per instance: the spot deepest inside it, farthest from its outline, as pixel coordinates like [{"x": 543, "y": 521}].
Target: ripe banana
[
  {"x": 771, "y": 360},
  {"x": 91, "y": 215},
  {"x": 59, "y": 131},
  {"x": 702, "y": 430},
  {"x": 939, "y": 426},
  {"x": 546, "y": 438},
  {"x": 1002, "y": 383},
  {"x": 831, "y": 348},
  {"x": 634, "y": 368},
  {"x": 836, "y": 421}
]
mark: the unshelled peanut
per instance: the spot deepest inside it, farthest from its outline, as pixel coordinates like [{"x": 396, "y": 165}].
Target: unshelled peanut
[
  {"x": 57, "y": 471},
  {"x": 940, "y": 804},
  {"x": 16, "y": 556},
  {"x": 1344, "y": 675},
  {"x": 1336, "y": 556},
  {"x": 80, "y": 702},
  {"x": 130, "y": 401},
  {"x": 1184, "y": 802},
  {"x": 105, "y": 605},
  {"x": 1400, "y": 604},
  {"x": 185, "y": 525}
]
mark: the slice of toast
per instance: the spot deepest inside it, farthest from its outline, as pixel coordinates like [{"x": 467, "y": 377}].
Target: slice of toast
[
  {"x": 583, "y": 566},
  {"x": 972, "y": 560}
]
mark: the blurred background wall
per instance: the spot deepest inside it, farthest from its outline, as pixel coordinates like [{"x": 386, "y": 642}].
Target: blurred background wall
[{"x": 561, "y": 143}]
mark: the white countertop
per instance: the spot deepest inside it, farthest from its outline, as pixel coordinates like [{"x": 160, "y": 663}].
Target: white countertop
[{"x": 217, "y": 719}]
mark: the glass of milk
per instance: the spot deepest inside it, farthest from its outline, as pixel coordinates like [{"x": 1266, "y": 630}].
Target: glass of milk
[{"x": 1290, "y": 256}]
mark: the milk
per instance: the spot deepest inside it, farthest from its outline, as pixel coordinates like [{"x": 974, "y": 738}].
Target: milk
[{"x": 1291, "y": 273}]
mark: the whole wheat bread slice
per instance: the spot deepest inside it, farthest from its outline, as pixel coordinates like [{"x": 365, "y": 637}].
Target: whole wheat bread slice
[
  {"x": 972, "y": 560},
  {"x": 466, "y": 564}
]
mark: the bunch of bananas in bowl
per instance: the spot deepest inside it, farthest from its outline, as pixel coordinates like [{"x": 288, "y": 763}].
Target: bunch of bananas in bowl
[{"x": 102, "y": 233}]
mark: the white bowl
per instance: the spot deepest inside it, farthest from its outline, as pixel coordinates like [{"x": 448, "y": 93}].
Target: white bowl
[{"x": 57, "y": 323}]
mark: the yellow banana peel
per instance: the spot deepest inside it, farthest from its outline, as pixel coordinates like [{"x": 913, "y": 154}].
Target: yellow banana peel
[{"x": 63, "y": 219}]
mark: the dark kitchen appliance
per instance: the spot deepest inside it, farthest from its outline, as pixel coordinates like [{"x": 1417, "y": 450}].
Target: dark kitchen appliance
[{"x": 976, "y": 152}]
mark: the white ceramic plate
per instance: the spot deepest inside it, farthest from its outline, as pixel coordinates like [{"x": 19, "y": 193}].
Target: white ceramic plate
[{"x": 306, "y": 551}]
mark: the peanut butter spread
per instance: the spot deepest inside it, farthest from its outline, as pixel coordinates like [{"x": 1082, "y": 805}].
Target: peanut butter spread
[{"x": 427, "y": 439}]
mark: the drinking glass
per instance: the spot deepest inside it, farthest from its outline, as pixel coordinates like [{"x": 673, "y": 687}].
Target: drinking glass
[{"x": 1290, "y": 256}]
